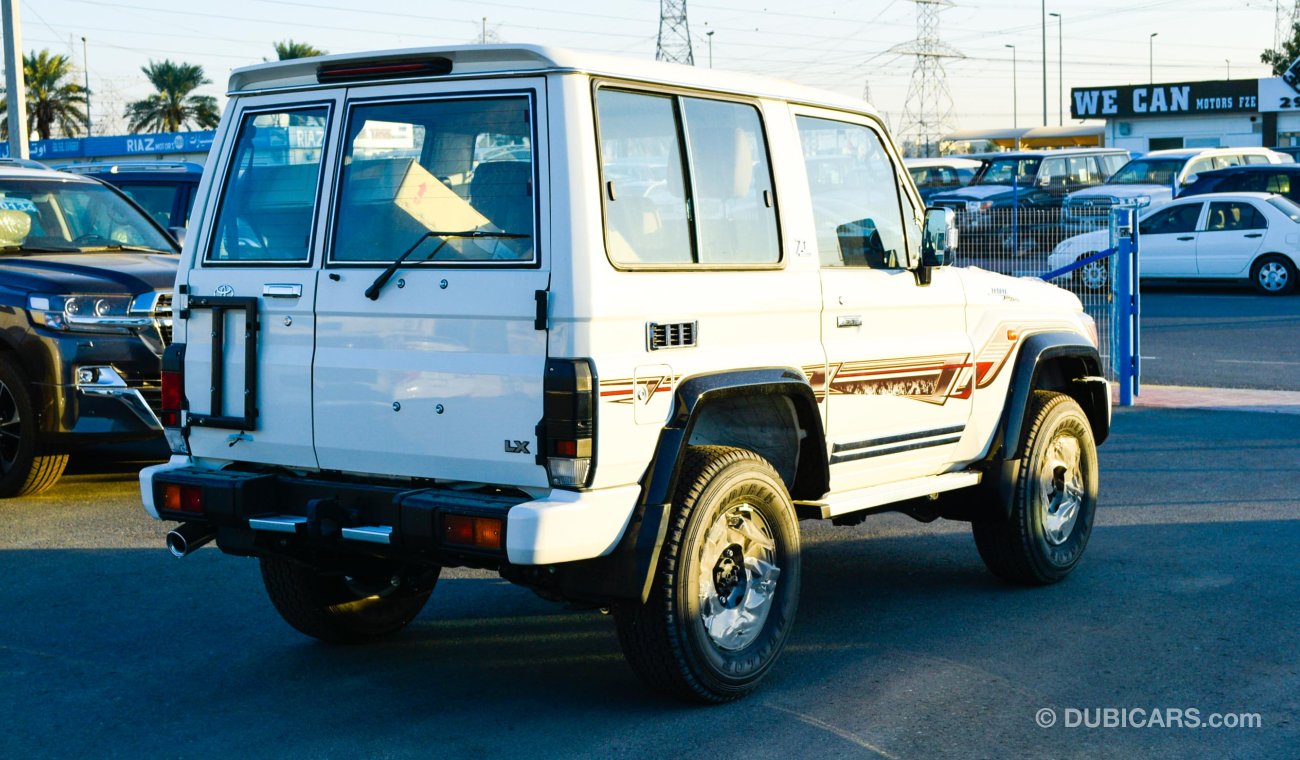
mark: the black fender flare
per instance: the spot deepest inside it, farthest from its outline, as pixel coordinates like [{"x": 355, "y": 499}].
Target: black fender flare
[{"x": 626, "y": 573}]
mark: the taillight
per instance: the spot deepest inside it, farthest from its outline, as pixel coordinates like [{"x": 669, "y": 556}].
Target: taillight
[
  {"x": 569, "y": 422},
  {"x": 173, "y": 397},
  {"x": 179, "y": 498},
  {"x": 464, "y": 530}
]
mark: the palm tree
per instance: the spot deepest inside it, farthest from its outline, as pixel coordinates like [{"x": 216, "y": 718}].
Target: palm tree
[
  {"x": 173, "y": 106},
  {"x": 53, "y": 98},
  {"x": 290, "y": 49}
]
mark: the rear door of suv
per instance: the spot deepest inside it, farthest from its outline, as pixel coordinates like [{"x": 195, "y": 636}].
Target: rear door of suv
[
  {"x": 435, "y": 368},
  {"x": 250, "y": 293}
]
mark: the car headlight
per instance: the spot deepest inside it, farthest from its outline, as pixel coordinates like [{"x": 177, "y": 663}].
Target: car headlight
[
  {"x": 1142, "y": 201},
  {"x": 86, "y": 313}
]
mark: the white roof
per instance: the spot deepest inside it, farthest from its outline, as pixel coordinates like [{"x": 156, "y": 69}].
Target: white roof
[
  {"x": 955, "y": 162},
  {"x": 474, "y": 60}
]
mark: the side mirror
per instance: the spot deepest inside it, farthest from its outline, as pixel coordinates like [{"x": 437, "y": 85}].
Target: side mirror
[
  {"x": 178, "y": 233},
  {"x": 939, "y": 238}
]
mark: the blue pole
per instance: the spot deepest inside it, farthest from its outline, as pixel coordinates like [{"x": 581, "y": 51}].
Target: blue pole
[{"x": 1123, "y": 320}]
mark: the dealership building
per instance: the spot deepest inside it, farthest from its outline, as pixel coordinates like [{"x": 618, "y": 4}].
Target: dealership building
[{"x": 1222, "y": 113}]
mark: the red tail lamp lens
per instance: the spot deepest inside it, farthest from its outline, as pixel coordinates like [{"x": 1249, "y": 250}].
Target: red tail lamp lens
[
  {"x": 179, "y": 498},
  {"x": 171, "y": 392},
  {"x": 463, "y": 530}
]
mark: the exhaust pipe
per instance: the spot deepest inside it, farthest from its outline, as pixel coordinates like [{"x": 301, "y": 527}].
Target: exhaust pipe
[{"x": 189, "y": 536}]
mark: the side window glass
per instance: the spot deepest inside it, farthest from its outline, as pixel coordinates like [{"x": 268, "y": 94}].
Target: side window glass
[
  {"x": 1053, "y": 174},
  {"x": 856, "y": 206},
  {"x": 1172, "y": 219},
  {"x": 456, "y": 172},
  {"x": 158, "y": 200},
  {"x": 1254, "y": 158},
  {"x": 269, "y": 200},
  {"x": 1279, "y": 183},
  {"x": 735, "y": 214},
  {"x": 1230, "y": 216},
  {"x": 645, "y": 184},
  {"x": 1198, "y": 166},
  {"x": 1082, "y": 170}
]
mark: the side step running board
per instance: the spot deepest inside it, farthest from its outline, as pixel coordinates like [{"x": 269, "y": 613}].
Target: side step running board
[{"x": 879, "y": 496}]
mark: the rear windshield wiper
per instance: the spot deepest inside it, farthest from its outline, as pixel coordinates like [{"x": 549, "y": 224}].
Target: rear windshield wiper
[{"x": 372, "y": 292}]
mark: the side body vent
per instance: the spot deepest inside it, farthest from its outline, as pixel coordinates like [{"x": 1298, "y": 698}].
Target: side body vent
[{"x": 671, "y": 335}]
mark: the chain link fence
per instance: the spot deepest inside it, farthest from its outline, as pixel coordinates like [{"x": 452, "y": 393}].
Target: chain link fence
[{"x": 1033, "y": 242}]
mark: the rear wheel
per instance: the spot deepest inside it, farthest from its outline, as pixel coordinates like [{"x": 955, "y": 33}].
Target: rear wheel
[
  {"x": 1053, "y": 498},
  {"x": 725, "y": 590},
  {"x": 343, "y": 609},
  {"x": 1273, "y": 274},
  {"x": 22, "y": 471}
]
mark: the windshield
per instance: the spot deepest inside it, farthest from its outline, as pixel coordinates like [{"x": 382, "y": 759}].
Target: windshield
[
  {"x": 1000, "y": 171},
  {"x": 1148, "y": 172},
  {"x": 67, "y": 215}
]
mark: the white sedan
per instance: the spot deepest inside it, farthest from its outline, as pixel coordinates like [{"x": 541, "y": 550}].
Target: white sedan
[{"x": 1243, "y": 236}]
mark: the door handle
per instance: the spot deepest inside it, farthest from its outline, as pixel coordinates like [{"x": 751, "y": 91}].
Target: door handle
[
  {"x": 852, "y": 320},
  {"x": 1254, "y": 234},
  {"x": 282, "y": 290},
  {"x": 1187, "y": 237}
]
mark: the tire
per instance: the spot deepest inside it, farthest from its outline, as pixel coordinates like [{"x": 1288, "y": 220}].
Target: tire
[
  {"x": 1094, "y": 277},
  {"x": 341, "y": 610},
  {"x": 22, "y": 471},
  {"x": 712, "y": 627},
  {"x": 1054, "y": 498},
  {"x": 1273, "y": 274}
]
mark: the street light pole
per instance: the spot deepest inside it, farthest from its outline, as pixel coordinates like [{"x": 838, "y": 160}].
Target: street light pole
[
  {"x": 709, "y": 34},
  {"x": 85, "y": 63},
  {"x": 1060, "y": 68},
  {"x": 1015, "y": 95},
  {"x": 1151, "y": 58},
  {"x": 1044, "y": 10},
  {"x": 15, "y": 85}
]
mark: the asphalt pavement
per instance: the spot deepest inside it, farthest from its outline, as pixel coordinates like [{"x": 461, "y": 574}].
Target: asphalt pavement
[{"x": 1184, "y": 607}]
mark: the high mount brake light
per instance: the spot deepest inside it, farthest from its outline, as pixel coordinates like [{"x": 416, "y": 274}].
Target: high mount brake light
[{"x": 355, "y": 72}]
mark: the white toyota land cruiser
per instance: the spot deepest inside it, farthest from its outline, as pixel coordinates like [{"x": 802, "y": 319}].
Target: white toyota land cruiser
[{"x": 610, "y": 328}]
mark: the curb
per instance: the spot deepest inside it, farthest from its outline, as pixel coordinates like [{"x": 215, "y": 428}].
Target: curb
[{"x": 1218, "y": 399}]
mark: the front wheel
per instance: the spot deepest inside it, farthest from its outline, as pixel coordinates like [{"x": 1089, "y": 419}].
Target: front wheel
[
  {"x": 1093, "y": 277},
  {"x": 23, "y": 470},
  {"x": 726, "y": 587},
  {"x": 345, "y": 609},
  {"x": 1053, "y": 498},
  {"x": 1273, "y": 274}
]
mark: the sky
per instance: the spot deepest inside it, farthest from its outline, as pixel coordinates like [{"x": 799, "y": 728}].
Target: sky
[{"x": 840, "y": 45}]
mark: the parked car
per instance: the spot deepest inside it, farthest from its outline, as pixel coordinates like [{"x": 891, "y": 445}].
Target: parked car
[
  {"x": 1253, "y": 237},
  {"x": 609, "y": 392},
  {"x": 1289, "y": 150},
  {"x": 935, "y": 175},
  {"x": 1154, "y": 179},
  {"x": 85, "y": 313},
  {"x": 165, "y": 189},
  {"x": 1283, "y": 179},
  {"x": 1035, "y": 182}
]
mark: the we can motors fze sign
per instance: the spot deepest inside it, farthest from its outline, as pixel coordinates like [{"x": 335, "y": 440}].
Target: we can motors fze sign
[{"x": 1224, "y": 96}]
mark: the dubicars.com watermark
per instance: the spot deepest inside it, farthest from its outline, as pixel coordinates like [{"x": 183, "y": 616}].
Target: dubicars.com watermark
[{"x": 1144, "y": 717}]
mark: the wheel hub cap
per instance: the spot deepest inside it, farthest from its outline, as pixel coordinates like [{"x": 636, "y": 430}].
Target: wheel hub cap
[
  {"x": 1272, "y": 276},
  {"x": 1060, "y": 488},
  {"x": 738, "y": 576}
]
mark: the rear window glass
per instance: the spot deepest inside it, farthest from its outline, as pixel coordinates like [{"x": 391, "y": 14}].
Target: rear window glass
[
  {"x": 717, "y": 209},
  {"x": 269, "y": 200},
  {"x": 1287, "y": 207},
  {"x": 452, "y": 177}
]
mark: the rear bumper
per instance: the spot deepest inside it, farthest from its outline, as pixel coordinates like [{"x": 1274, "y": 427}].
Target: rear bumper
[{"x": 269, "y": 513}]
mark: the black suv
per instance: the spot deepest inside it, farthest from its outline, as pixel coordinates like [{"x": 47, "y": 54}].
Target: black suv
[
  {"x": 85, "y": 313},
  {"x": 165, "y": 189},
  {"x": 1031, "y": 181},
  {"x": 1283, "y": 179}
]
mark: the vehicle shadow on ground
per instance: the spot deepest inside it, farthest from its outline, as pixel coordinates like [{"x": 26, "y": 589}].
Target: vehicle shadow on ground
[{"x": 128, "y": 646}]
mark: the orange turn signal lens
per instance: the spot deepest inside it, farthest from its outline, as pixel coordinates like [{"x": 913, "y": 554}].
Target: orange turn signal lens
[
  {"x": 178, "y": 498},
  {"x": 463, "y": 530}
]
